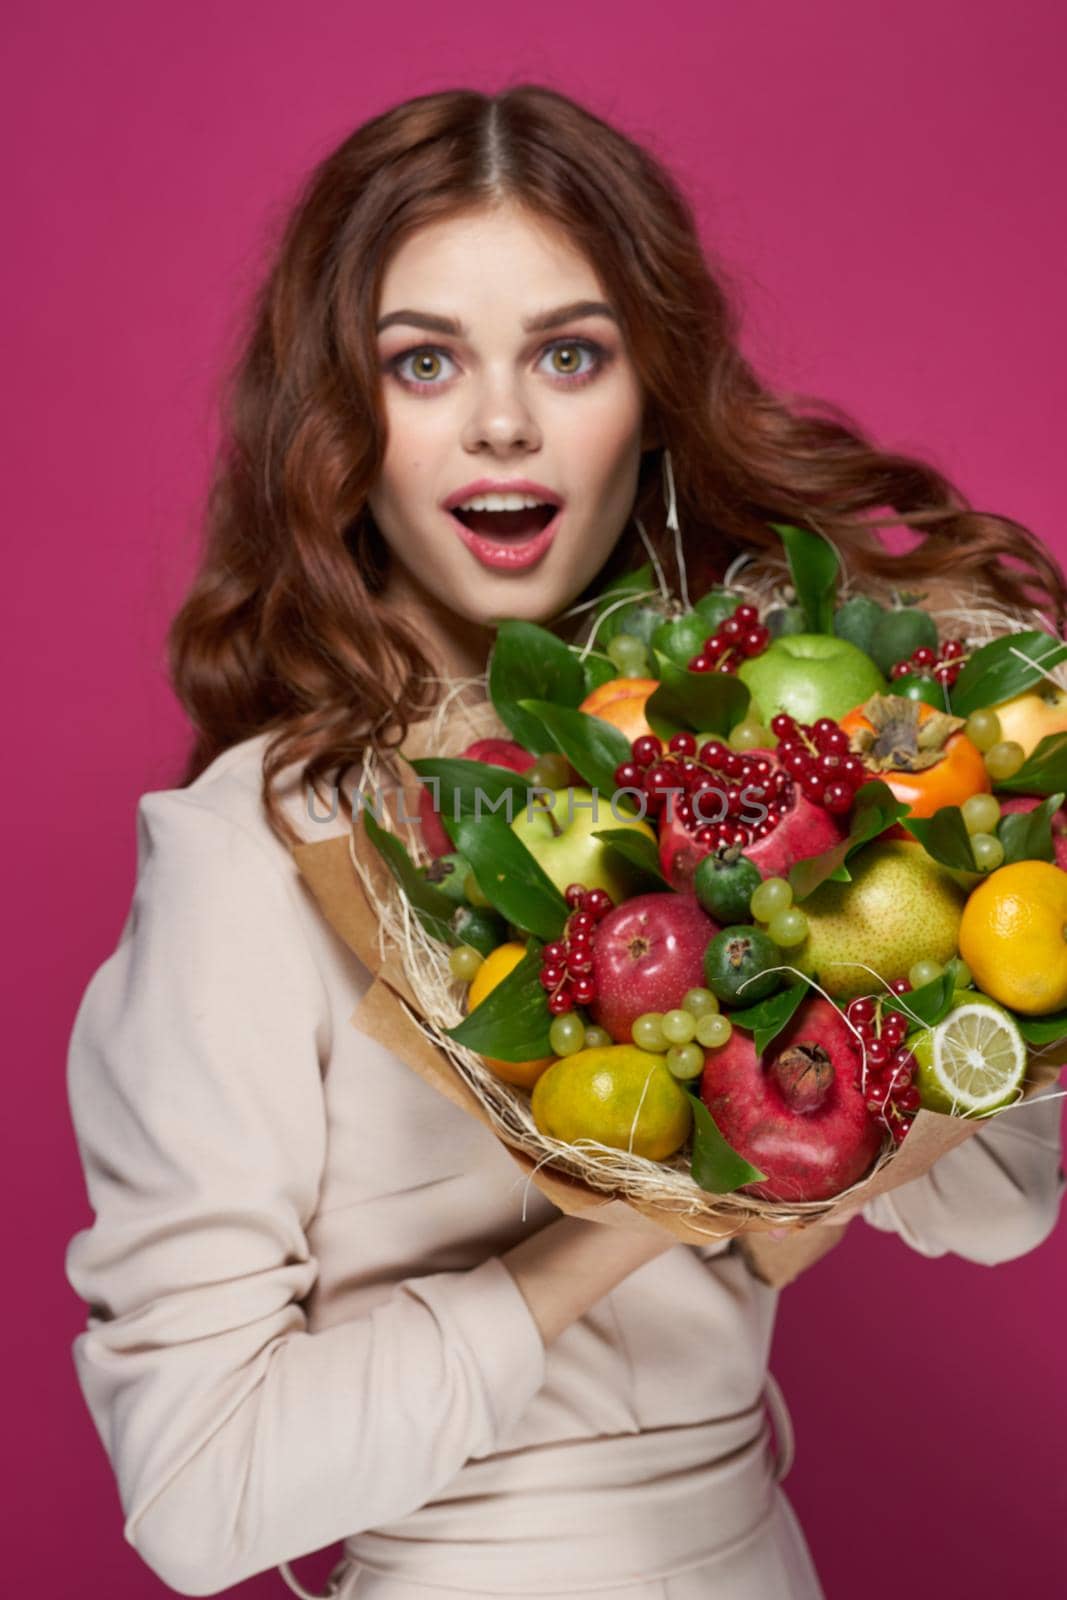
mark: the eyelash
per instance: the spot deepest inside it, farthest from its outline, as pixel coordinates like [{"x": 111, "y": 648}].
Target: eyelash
[{"x": 571, "y": 380}]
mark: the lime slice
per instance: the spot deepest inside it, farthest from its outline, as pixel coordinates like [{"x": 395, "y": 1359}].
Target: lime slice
[{"x": 973, "y": 1061}]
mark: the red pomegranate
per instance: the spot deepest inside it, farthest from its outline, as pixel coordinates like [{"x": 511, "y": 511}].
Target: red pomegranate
[
  {"x": 797, "y": 1113},
  {"x": 796, "y": 827}
]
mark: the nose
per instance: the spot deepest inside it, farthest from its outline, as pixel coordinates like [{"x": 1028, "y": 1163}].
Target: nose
[{"x": 501, "y": 418}]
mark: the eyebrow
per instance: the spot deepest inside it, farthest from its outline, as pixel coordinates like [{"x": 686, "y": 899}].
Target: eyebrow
[{"x": 535, "y": 324}]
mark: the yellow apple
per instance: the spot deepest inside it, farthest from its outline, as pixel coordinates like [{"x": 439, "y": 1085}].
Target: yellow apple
[{"x": 1029, "y": 716}]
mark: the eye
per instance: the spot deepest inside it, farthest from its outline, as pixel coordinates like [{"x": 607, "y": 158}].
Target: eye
[
  {"x": 573, "y": 349},
  {"x": 423, "y": 358}
]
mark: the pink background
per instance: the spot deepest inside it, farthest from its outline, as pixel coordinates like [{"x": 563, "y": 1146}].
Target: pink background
[{"x": 882, "y": 179}]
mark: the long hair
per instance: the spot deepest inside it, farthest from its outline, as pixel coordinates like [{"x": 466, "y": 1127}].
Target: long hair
[{"x": 285, "y": 631}]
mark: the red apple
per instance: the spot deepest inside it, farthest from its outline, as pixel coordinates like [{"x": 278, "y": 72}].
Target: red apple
[
  {"x": 799, "y": 829},
  {"x": 798, "y": 1112},
  {"x": 646, "y": 953},
  {"x": 1028, "y": 802},
  {"x": 495, "y": 753}
]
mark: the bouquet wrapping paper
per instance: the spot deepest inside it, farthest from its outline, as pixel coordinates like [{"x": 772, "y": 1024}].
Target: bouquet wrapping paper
[{"x": 391, "y": 1012}]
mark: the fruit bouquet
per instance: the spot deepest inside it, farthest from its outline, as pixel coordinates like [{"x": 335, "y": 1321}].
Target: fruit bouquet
[{"x": 742, "y": 912}]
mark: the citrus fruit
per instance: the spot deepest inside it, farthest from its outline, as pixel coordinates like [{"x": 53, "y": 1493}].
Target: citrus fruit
[
  {"x": 621, "y": 701},
  {"x": 618, "y": 1095},
  {"x": 1012, "y": 936},
  {"x": 973, "y": 1061},
  {"x": 493, "y": 970}
]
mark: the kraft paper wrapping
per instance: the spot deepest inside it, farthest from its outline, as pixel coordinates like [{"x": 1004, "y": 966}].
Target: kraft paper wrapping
[{"x": 776, "y": 1256}]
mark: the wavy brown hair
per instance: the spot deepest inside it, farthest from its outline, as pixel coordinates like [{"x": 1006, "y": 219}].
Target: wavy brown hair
[{"x": 285, "y": 630}]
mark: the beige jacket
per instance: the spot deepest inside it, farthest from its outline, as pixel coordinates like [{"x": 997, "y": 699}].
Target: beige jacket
[{"x": 299, "y": 1330}]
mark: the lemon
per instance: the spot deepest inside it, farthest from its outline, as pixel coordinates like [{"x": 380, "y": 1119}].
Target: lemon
[
  {"x": 1012, "y": 936},
  {"x": 973, "y": 1061},
  {"x": 493, "y": 970},
  {"x": 617, "y": 1094}
]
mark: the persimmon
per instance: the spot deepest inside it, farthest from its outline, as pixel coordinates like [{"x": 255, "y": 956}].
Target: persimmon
[
  {"x": 919, "y": 751},
  {"x": 621, "y": 701}
]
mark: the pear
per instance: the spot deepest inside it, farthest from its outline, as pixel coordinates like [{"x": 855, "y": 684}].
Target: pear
[{"x": 901, "y": 907}]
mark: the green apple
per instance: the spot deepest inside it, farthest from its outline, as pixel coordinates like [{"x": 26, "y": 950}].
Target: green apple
[
  {"x": 810, "y": 675},
  {"x": 560, "y": 839}
]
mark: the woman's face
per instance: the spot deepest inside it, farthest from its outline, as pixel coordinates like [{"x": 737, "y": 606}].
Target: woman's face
[{"x": 494, "y": 397}]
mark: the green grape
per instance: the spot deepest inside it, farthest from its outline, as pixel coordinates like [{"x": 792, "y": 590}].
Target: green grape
[
  {"x": 648, "y": 1031},
  {"x": 595, "y": 1038},
  {"x": 685, "y": 1060},
  {"x": 549, "y": 771},
  {"x": 788, "y": 927},
  {"x": 962, "y": 972},
  {"x": 924, "y": 971},
  {"x": 472, "y": 891},
  {"x": 464, "y": 961},
  {"x": 1004, "y": 759},
  {"x": 747, "y": 735},
  {"x": 699, "y": 1002},
  {"x": 713, "y": 1030},
  {"x": 772, "y": 896},
  {"x": 566, "y": 1034},
  {"x": 678, "y": 1026},
  {"x": 983, "y": 728},
  {"x": 981, "y": 813},
  {"x": 627, "y": 653},
  {"x": 988, "y": 851}
]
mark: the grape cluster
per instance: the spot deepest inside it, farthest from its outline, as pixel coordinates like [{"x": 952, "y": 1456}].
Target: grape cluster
[
  {"x": 567, "y": 963},
  {"x": 739, "y": 636},
  {"x": 683, "y": 1034},
  {"x": 817, "y": 756},
  {"x": 945, "y": 668},
  {"x": 889, "y": 1072}
]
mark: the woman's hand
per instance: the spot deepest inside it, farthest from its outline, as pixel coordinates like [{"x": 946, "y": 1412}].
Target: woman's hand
[{"x": 567, "y": 1266}]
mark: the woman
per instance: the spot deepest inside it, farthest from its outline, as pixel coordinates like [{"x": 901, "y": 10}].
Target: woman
[{"x": 321, "y": 1306}]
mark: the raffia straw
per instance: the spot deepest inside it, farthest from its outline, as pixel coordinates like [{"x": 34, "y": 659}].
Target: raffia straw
[{"x": 424, "y": 960}]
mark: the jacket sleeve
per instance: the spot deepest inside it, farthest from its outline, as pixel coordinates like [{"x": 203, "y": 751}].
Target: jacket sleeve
[
  {"x": 238, "y": 1439},
  {"x": 992, "y": 1198}
]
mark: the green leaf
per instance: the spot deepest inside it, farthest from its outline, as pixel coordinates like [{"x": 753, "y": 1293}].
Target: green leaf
[
  {"x": 1042, "y": 1030},
  {"x": 513, "y": 1020},
  {"x": 1027, "y": 835},
  {"x": 508, "y": 875},
  {"x": 876, "y": 808},
  {"x": 529, "y": 662},
  {"x": 1044, "y": 770},
  {"x": 597, "y": 669},
  {"x": 944, "y": 837},
  {"x": 716, "y": 1165},
  {"x": 638, "y": 849},
  {"x": 700, "y": 702},
  {"x": 767, "y": 1019},
  {"x": 463, "y": 788},
  {"x": 592, "y": 746},
  {"x": 931, "y": 1002},
  {"x": 433, "y": 909},
  {"x": 814, "y": 567},
  {"x": 1003, "y": 668}
]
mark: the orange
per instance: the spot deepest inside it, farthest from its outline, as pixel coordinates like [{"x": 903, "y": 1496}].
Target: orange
[
  {"x": 959, "y": 773},
  {"x": 621, "y": 701},
  {"x": 1013, "y": 936},
  {"x": 493, "y": 970}
]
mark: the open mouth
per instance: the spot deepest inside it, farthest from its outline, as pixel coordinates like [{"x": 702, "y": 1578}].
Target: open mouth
[{"x": 508, "y": 524}]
